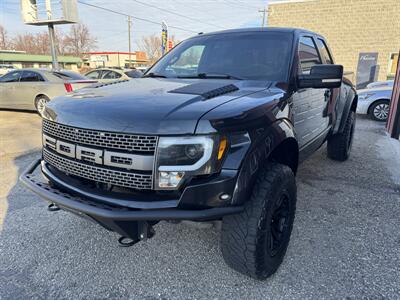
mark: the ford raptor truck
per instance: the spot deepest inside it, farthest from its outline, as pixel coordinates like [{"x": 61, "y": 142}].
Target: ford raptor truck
[{"x": 215, "y": 130}]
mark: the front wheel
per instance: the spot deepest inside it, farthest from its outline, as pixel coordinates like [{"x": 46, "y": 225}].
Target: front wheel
[
  {"x": 254, "y": 242},
  {"x": 40, "y": 104}
]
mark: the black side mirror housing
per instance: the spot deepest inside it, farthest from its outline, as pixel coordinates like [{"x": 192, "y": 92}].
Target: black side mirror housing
[{"x": 322, "y": 76}]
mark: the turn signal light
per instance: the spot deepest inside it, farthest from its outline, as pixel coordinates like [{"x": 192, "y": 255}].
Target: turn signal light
[{"x": 222, "y": 147}]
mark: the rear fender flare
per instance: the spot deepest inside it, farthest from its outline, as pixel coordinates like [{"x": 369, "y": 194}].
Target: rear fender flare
[{"x": 350, "y": 104}]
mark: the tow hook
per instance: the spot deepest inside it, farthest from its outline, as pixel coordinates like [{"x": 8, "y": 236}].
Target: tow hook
[
  {"x": 144, "y": 231},
  {"x": 53, "y": 207}
]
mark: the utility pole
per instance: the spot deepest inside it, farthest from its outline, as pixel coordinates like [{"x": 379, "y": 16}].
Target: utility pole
[
  {"x": 52, "y": 37},
  {"x": 264, "y": 11},
  {"x": 129, "y": 39}
]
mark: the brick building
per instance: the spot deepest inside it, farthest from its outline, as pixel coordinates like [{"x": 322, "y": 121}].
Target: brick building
[{"x": 352, "y": 28}]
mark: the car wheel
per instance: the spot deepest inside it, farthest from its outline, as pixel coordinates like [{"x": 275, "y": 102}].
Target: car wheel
[
  {"x": 40, "y": 104},
  {"x": 379, "y": 111},
  {"x": 254, "y": 242},
  {"x": 339, "y": 145}
]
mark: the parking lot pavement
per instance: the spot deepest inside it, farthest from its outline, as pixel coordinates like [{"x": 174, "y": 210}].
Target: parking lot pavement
[
  {"x": 345, "y": 242},
  {"x": 19, "y": 132}
]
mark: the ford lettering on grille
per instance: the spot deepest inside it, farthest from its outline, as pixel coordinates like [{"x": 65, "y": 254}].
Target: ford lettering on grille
[{"x": 101, "y": 157}]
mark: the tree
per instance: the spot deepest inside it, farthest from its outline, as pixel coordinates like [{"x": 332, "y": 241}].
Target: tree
[
  {"x": 151, "y": 45},
  {"x": 4, "y": 42},
  {"x": 79, "y": 40}
]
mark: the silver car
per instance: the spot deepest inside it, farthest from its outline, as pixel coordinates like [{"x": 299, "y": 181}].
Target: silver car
[
  {"x": 375, "y": 102},
  {"x": 31, "y": 89}
]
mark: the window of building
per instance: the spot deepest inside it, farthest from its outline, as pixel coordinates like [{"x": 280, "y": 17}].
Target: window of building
[
  {"x": 323, "y": 49},
  {"x": 30, "y": 76},
  {"x": 308, "y": 54}
]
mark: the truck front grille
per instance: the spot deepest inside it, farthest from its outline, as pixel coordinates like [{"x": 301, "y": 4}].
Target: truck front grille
[
  {"x": 98, "y": 174},
  {"x": 104, "y": 139}
]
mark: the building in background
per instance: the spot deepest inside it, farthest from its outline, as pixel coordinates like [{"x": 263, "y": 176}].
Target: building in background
[
  {"x": 135, "y": 59},
  {"x": 364, "y": 35},
  {"x": 21, "y": 59}
]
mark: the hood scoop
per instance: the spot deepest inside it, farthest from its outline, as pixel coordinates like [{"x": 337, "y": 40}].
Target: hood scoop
[{"x": 207, "y": 90}]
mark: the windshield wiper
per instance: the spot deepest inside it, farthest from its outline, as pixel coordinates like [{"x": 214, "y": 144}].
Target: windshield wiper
[
  {"x": 155, "y": 75},
  {"x": 212, "y": 76}
]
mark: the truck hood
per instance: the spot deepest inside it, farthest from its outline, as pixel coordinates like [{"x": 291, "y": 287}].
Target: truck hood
[{"x": 148, "y": 105}]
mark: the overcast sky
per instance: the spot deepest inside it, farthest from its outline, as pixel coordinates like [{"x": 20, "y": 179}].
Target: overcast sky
[{"x": 111, "y": 30}]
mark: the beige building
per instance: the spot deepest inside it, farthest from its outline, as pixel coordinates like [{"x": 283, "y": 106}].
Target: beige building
[
  {"x": 350, "y": 26},
  {"x": 136, "y": 59},
  {"x": 21, "y": 59}
]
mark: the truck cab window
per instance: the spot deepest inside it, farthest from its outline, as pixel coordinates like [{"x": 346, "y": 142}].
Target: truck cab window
[
  {"x": 323, "y": 49},
  {"x": 308, "y": 54}
]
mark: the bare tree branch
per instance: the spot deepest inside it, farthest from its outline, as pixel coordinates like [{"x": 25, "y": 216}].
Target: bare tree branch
[{"x": 151, "y": 45}]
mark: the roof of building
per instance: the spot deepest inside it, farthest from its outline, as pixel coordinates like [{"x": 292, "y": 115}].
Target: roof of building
[
  {"x": 18, "y": 57},
  {"x": 110, "y": 52}
]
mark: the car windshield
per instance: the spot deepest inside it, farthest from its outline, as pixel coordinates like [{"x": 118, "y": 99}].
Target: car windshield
[
  {"x": 67, "y": 75},
  {"x": 244, "y": 55}
]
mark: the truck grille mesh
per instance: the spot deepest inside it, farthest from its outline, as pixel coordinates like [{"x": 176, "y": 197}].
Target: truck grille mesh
[
  {"x": 111, "y": 140},
  {"x": 118, "y": 178}
]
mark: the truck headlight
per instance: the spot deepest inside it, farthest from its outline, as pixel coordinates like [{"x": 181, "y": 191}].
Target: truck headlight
[{"x": 179, "y": 158}]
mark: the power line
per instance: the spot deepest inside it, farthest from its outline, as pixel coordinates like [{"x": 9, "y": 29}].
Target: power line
[
  {"x": 177, "y": 14},
  {"x": 240, "y": 4},
  {"x": 133, "y": 17}
]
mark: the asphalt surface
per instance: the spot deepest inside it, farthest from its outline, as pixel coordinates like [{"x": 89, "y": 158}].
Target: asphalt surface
[{"x": 345, "y": 242}]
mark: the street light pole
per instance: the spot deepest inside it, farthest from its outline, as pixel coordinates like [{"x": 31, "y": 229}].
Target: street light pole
[
  {"x": 129, "y": 39},
  {"x": 52, "y": 37},
  {"x": 53, "y": 46}
]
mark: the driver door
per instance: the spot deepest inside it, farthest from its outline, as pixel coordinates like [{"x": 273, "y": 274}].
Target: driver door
[{"x": 309, "y": 104}]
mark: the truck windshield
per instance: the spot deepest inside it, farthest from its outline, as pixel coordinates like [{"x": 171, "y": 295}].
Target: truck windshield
[{"x": 244, "y": 55}]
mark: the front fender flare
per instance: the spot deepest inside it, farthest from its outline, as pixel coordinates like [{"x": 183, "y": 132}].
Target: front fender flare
[{"x": 263, "y": 143}]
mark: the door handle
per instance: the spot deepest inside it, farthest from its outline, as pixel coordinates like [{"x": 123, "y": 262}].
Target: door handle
[{"x": 327, "y": 95}]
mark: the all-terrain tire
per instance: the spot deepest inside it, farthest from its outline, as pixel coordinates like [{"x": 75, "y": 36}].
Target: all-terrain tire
[
  {"x": 339, "y": 145},
  {"x": 247, "y": 239}
]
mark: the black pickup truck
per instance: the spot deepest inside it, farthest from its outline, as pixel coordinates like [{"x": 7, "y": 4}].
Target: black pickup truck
[{"x": 215, "y": 130}]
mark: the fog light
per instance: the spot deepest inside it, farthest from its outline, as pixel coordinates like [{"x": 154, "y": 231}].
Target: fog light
[{"x": 170, "y": 179}]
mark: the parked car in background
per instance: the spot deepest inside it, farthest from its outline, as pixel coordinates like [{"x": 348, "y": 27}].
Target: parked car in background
[
  {"x": 380, "y": 84},
  {"x": 31, "y": 89},
  {"x": 5, "y": 68},
  {"x": 106, "y": 75},
  {"x": 375, "y": 102}
]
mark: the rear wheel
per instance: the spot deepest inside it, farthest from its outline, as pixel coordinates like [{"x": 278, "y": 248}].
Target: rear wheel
[
  {"x": 339, "y": 145},
  {"x": 254, "y": 242},
  {"x": 379, "y": 111},
  {"x": 40, "y": 104}
]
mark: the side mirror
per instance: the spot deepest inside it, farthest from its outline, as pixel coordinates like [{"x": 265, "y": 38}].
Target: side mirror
[{"x": 322, "y": 76}]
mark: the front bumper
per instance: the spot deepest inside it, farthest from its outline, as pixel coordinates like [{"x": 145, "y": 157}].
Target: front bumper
[{"x": 109, "y": 213}]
